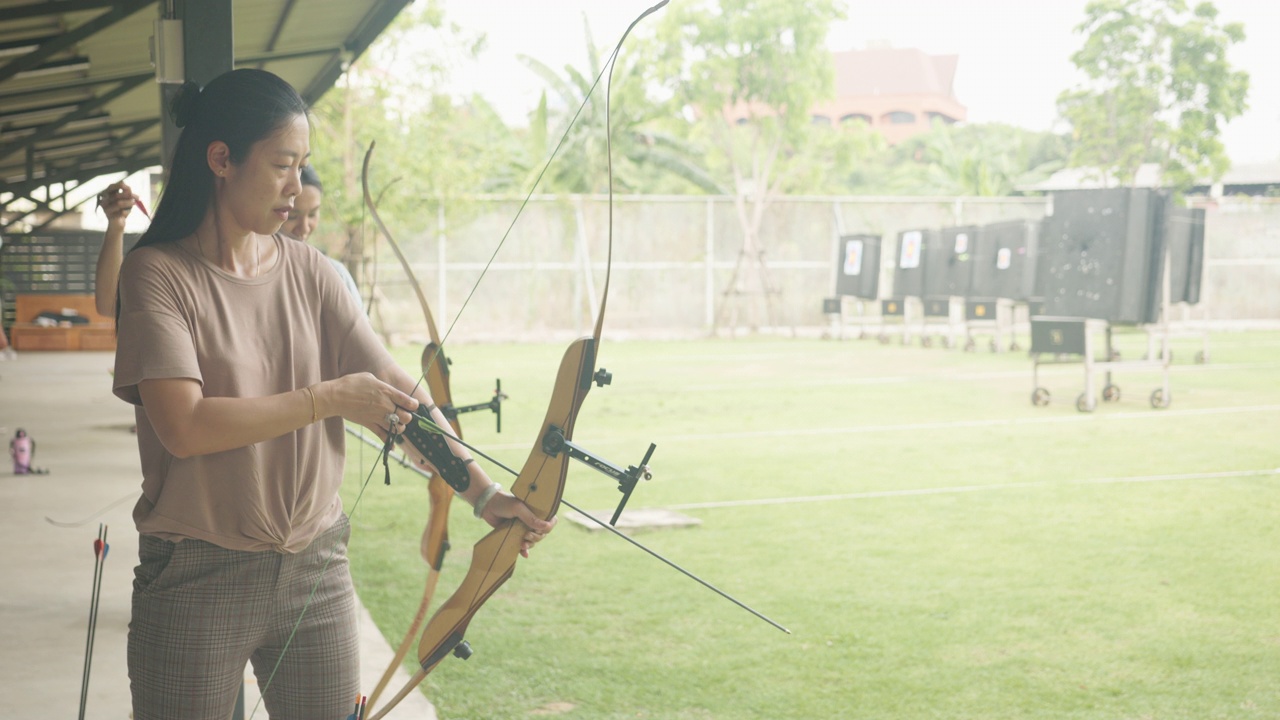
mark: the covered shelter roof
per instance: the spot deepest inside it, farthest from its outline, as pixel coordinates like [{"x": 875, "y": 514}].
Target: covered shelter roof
[{"x": 78, "y": 91}]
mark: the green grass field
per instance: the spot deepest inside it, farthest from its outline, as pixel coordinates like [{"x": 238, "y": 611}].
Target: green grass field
[{"x": 939, "y": 547}]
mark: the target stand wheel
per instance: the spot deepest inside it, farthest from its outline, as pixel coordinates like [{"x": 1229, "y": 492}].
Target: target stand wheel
[
  {"x": 1111, "y": 393},
  {"x": 1082, "y": 403},
  {"x": 1158, "y": 399},
  {"x": 1040, "y": 397}
]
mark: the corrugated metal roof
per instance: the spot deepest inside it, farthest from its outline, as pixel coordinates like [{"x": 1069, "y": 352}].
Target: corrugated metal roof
[{"x": 78, "y": 96}]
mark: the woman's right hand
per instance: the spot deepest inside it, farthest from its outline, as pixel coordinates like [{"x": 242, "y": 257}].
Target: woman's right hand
[
  {"x": 364, "y": 399},
  {"x": 117, "y": 201}
]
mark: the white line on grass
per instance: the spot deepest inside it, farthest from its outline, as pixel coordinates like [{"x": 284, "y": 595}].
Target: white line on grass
[
  {"x": 1049, "y": 370},
  {"x": 1146, "y": 414},
  {"x": 995, "y": 422},
  {"x": 971, "y": 488}
]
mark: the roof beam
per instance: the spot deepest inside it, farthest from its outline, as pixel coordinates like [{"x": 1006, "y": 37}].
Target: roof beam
[
  {"x": 71, "y": 64},
  {"x": 275, "y": 32},
  {"x": 357, "y": 42},
  {"x": 119, "y": 11},
  {"x": 53, "y": 7},
  {"x": 262, "y": 58},
  {"x": 145, "y": 156},
  {"x": 39, "y": 206},
  {"x": 118, "y": 144},
  {"x": 74, "y": 85},
  {"x": 107, "y": 129},
  {"x": 84, "y": 110}
]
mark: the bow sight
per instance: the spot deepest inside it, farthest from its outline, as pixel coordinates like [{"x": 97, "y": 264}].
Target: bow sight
[
  {"x": 451, "y": 412},
  {"x": 554, "y": 443}
]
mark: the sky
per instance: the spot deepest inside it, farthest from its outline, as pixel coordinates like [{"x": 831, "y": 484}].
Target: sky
[{"x": 1014, "y": 54}]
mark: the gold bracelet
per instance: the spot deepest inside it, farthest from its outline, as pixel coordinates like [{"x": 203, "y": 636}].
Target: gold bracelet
[{"x": 313, "y": 402}]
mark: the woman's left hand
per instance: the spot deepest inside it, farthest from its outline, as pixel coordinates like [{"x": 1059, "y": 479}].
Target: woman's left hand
[{"x": 505, "y": 506}]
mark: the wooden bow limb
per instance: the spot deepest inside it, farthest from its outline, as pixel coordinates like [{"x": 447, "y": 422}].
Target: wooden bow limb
[
  {"x": 435, "y": 370},
  {"x": 434, "y": 544},
  {"x": 540, "y": 484}
]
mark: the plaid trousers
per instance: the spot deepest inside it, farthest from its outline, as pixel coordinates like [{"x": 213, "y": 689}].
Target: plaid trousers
[{"x": 200, "y": 612}]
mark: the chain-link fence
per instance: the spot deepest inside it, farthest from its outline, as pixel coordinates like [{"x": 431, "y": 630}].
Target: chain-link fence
[{"x": 673, "y": 259}]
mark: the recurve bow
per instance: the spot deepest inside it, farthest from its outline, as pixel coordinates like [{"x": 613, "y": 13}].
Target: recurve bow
[
  {"x": 435, "y": 371},
  {"x": 540, "y": 484}
]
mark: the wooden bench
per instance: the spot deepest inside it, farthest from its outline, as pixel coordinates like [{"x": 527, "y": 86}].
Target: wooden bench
[{"x": 98, "y": 334}]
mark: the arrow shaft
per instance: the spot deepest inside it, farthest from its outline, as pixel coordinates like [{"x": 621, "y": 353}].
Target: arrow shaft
[{"x": 615, "y": 531}]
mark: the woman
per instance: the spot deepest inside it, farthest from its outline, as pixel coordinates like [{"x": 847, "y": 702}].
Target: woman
[
  {"x": 304, "y": 217},
  {"x": 243, "y": 356}
]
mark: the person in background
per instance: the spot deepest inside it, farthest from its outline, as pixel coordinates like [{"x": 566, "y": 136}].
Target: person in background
[
  {"x": 117, "y": 201},
  {"x": 22, "y": 449},
  {"x": 304, "y": 217},
  {"x": 243, "y": 355},
  {"x": 6, "y": 352}
]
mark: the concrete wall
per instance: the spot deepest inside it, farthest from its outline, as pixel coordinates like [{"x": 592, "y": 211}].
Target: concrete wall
[{"x": 1242, "y": 260}]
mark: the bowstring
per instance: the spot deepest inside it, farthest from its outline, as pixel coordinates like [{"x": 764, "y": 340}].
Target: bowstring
[
  {"x": 355, "y": 505},
  {"x": 607, "y": 67}
]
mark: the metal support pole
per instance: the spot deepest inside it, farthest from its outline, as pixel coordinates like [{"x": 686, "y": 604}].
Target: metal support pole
[
  {"x": 442, "y": 256},
  {"x": 709, "y": 303},
  {"x": 207, "y": 51}
]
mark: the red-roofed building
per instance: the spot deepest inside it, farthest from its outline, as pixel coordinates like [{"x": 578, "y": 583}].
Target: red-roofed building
[{"x": 898, "y": 91}]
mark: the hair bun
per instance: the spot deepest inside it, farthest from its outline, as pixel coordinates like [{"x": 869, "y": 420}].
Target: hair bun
[{"x": 183, "y": 107}]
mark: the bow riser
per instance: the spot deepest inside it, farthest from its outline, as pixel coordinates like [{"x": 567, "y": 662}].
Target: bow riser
[
  {"x": 435, "y": 537},
  {"x": 541, "y": 481},
  {"x": 435, "y": 363},
  {"x": 540, "y": 485}
]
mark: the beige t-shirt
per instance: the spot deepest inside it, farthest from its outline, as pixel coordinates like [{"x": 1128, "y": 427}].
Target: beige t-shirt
[{"x": 294, "y": 326}]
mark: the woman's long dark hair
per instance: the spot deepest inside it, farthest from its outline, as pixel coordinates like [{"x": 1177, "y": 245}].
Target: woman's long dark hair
[{"x": 239, "y": 108}]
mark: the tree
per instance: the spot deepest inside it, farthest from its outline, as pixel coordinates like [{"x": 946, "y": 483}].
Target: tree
[
  {"x": 985, "y": 159},
  {"x": 646, "y": 151},
  {"x": 430, "y": 144},
  {"x": 393, "y": 94},
  {"x": 749, "y": 71},
  {"x": 1158, "y": 89}
]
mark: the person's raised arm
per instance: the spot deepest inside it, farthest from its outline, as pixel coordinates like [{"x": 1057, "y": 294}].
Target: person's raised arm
[{"x": 117, "y": 202}]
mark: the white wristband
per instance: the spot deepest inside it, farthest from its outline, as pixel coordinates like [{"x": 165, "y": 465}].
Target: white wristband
[{"x": 485, "y": 497}]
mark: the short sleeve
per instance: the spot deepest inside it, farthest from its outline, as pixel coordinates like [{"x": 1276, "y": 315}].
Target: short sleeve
[
  {"x": 348, "y": 281},
  {"x": 154, "y": 336}
]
